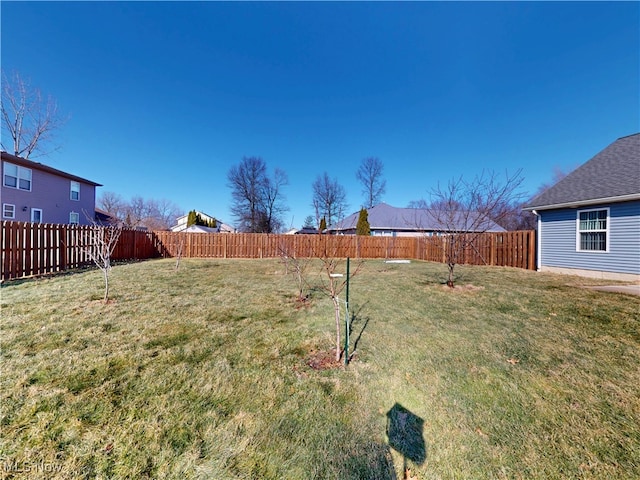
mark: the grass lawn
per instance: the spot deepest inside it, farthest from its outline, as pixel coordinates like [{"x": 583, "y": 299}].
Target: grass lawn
[{"x": 204, "y": 373}]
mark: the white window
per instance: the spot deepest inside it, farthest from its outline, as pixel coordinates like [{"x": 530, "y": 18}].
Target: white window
[
  {"x": 75, "y": 190},
  {"x": 36, "y": 215},
  {"x": 593, "y": 230},
  {"x": 8, "y": 210},
  {"x": 74, "y": 218},
  {"x": 17, "y": 177}
]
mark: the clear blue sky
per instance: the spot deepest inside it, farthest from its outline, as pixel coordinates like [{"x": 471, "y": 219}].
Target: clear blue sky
[{"x": 164, "y": 98}]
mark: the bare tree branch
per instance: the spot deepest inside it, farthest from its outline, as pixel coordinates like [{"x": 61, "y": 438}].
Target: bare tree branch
[
  {"x": 28, "y": 119},
  {"x": 99, "y": 246},
  {"x": 258, "y": 201},
  {"x": 369, "y": 174},
  {"x": 463, "y": 210},
  {"x": 334, "y": 283},
  {"x": 329, "y": 198},
  {"x": 113, "y": 204}
]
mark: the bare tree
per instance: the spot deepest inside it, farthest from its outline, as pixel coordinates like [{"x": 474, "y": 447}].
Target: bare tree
[
  {"x": 258, "y": 201},
  {"x": 296, "y": 264},
  {"x": 308, "y": 222},
  {"x": 99, "y": 247},
  {"x": 160, "y": 214},
  {"x": 29, "y": 120},
  {"x": 514, "y": 217},
  {"x": 369, "y": 174},
  {"x": 113, "y": 204},
  {"x": 422, "y": 203},
  {"x": 511, "y": 216},
  {"x": 179, "y": 250},
  {"x": 135, "y": 212},
  {"x": 465, "y": 209},
  {"x": 272, "y": 202},
  {"x": 335, "y": 282},
  {"x": 140, "y": 212},
  {"x": 558, "y": 174},
  {"x": 329, "y": 199}
]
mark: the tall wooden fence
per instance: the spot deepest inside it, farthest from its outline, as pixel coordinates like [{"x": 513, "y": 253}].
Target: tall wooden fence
[
  {"x": 35, "y": 249},
  {"x": 30, "y": 249}
]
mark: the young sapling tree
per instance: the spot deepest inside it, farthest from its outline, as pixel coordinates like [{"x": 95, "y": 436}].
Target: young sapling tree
[
  {"x": 465, "y": 209},
  {"x": 298, "y": 265},
  {"x": 333, "y": 282},
  {"x": 100, "y": 244}
]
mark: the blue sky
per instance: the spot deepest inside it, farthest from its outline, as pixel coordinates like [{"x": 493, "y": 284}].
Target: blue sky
[{"x": 163, "y": 98}]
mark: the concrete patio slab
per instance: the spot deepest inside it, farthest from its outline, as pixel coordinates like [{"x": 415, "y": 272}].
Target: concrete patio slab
[{"x": 628, "y": 289}]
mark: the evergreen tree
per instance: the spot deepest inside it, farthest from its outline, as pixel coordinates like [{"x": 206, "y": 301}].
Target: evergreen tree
[
  {"x": 363, "y": 227},
  {"x": 323, "y": 224},
  {"x": 191, "y": 218}
]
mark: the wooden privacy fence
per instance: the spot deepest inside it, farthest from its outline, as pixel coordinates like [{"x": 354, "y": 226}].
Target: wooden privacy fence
[
  {"x": 30, "y": 249},
  {"x": 509, "y": 249}
]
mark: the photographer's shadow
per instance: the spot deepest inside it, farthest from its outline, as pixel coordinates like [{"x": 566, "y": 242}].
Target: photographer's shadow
[{"x": 405, "y": 436}]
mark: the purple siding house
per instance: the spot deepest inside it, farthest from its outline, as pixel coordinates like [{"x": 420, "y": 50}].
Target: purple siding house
[{"x": 34, "y": 192}]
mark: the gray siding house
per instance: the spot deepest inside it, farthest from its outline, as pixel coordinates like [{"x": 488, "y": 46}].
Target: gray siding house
[
  {"x": 34, "y": 192},
  {"x": 386, "y": 220},
  {"x": 589, "y": 222}
]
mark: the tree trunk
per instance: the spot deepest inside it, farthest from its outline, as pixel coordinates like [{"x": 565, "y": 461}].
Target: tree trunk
[
  {"x": 106, "y": 285},
  {"x": 450, "y": 280},
  {"x": 336, "y": 307}
]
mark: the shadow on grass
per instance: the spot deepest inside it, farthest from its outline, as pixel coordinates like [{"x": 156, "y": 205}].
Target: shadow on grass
[
  {"x": 86, "y": 267},
  {"x": 404, "y": 431},
  {"x": 373, "y": 463},
  {"x": 355, "y": 320}
]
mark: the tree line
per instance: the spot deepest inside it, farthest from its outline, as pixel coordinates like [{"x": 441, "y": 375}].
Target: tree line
[
  {"x": 139, "y": 212},
  {"x": 31, "y": 119},
  {"x": 259, "y": 203}
]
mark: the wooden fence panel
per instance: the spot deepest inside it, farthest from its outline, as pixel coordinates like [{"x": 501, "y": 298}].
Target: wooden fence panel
[{"x": 35, "y": 249}]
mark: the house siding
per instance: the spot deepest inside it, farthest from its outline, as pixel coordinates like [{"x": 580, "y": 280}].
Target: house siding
[
  {"x": 51, "y": 194},
  {"x": 558, "y": 240}
]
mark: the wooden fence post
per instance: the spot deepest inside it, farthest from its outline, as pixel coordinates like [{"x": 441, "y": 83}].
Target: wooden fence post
[
  {"x": 134, "y": 239},
  {"x": 492, "y": 246},
  {"x": 531, "y": 251},
  {"x": 63, "y": 248}
]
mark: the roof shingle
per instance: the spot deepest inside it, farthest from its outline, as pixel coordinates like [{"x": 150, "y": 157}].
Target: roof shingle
[{"x": 612, "y": 174}]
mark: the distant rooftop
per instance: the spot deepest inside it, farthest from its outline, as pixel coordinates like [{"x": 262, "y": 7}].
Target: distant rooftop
[{"x": 386, "y": 217}]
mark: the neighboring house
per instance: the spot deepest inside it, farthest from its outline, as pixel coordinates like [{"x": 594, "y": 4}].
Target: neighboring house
[
  {"x": 221, "y": 227},
  {"x": 406, "y": 222},
  {"x": 106, "y": 219},
  {"x": 589, "y": 222},
  {"x": 200, "y": 229},
  {"x": 34, "y": 192}
]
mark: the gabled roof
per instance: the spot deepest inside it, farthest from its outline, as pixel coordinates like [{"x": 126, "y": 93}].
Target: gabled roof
[
  {"x": 204, "y": 216},
  {"x": 386, "y": 217},
  {"x": 613, "y": 175},
  {"x": 104, "y": 217},
  {"x": 24, "y": 162}
]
